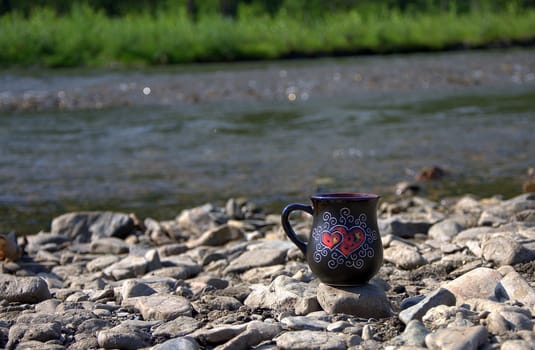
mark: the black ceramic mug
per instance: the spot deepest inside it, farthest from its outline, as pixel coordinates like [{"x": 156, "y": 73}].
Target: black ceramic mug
[{"x": 344, "y": 247}]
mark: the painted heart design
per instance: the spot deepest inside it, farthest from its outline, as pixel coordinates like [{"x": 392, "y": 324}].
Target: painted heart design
[
  {"x": 352, "y": 239},
  {"x": 331, "y": 240}
]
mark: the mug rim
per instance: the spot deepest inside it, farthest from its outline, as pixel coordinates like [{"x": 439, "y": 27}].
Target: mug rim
[{"x": 345, "y": 195}]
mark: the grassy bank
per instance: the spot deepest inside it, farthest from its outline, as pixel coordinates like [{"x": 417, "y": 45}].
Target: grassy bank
[{"x": 88, "y": 38}]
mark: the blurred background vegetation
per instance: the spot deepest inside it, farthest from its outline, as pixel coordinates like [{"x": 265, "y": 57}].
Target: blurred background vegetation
[{"x": 67, "y": 33}]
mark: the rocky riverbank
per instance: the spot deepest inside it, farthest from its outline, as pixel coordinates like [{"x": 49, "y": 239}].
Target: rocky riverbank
[{"x": 458, "y": 274}]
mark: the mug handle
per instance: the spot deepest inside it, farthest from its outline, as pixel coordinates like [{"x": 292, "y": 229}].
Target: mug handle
[{"x": 288, "y": 228}]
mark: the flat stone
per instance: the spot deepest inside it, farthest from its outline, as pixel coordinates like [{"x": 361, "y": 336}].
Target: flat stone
[
  {"x": 464, "y": 338},
  {"x": 185, "y": 343},
  {"x": 163, "y": 306},
  {"x": 517, "y": 344},
  {"x": 179, "y": 327},
  {"x": 413, "y": 335},
  {"x": 255, "y": 333},
  {"x": 256, "y": 258},
  {"x": 503, "y": 321},
  {"x": 404, "y": 256},
  {"x": 102, "y": 262},
  {"x": 89, "y": 226},
  {"x": 285, "y": 295},
  {"x": 122, "y": 337},
  {"x": 406, "y": 226},
  {"x": 443, "y": 316},
  {"x": 198, "y": 220},
  {"x": 217, "y": 236},
  {"x": 218, "y": 334},
  {"x": 504, "y": 250},
  {"x": 514, "y": 287},
  {"x": 311, "y": 340},
  {"x": 40, "y": 331},
  {"x": 304, "y": 322},
  {"x": 478, "y": 283},
  {"x": 440, "y": 296},
  {"x": 445, "y": 230},
  {"x": 129, "y": 267},
  {"x": 37, "y": 345},
  {"x": 135, "y": 288},
  {"x": 109, "y": 245},
  {"x": 23, "y": 289},
  {"x": 367, "y": 301},
  {"x": 36, "y": 242}
]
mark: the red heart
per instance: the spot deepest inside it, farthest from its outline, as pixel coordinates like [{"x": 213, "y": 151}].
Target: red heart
[
  {"x": 352, "y": 239},
  {"x": 331, "y": 240}
]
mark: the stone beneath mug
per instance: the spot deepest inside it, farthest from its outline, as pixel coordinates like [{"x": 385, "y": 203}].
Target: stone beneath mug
[{"x": 366, "y": 301}]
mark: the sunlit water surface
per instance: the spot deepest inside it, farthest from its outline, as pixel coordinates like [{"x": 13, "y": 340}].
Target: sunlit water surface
[{"x": 156, "y": 160}]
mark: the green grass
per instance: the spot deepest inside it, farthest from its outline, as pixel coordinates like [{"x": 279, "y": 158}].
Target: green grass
[{"x": 88, "y": 38}]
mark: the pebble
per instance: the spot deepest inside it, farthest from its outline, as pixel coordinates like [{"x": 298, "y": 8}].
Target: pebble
[{"x": 458, "y": 274}]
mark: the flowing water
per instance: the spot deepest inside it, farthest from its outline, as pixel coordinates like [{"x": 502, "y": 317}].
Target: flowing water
[{"x": 156, "y": 141}]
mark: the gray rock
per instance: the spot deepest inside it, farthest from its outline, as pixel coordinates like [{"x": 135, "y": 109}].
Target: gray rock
[
  {"x": 172, "y": 249},
  {"x": 102, "y": 262},
  {"x": 442, "y": 316},
  {"x": 410, "y": 301},
  {"x": 338, "y": 326},
  {"x": 186, "y": 267},
  {"x": 404, "y": 256},
  {"x": 129, "y": 267},
  {"x": 23, "y": 332},
  {"x": 37, "y": 345},
  {"x": 153, "y": 260},
  {"x": 198, "y": 220},
  {"x": 472, "y": 234},
  {"x": 304, "y": 322},
  {"x": 23, "y": 289},
  {"x": 179, "y": 327},
  {"x": 256, "y": 258},
  {"x": 89, "y": 226},
  {"x": 504, "y": 250},
  {"x": 413, "y": 335},
  {"x": 218, "y": 334},
  {"x": 500, "y": 322},
  {"x": 135, "y": 288},
  {"x": 367, "y": 301},
  {"x": 445, "y": 230},
  {"x": 285, "y": 295},
  {"x": 255, "y": 333},
  {"x": 478, "y": 283},
  {"x": 109, "y": 245},
  {"x": 38, "y": 241},
  {"x": 514, "y": 287},
  {"x": 406, "y": 226},
  {"x": 259, "y": 274},
  {"x": 311, "y": 340},
  {"x": 440, "y": 296},
  {"x": 178, "y": 343},
  {"x": 217, "y": 236},
  {"x": 517, "y": 344},
  {"x": 465, "y": 338},
  {"x": 163, "y": 306},
  {"x": 123, "y": 337}
]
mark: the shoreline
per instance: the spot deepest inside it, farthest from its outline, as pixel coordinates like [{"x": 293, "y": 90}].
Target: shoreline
[
  {"x": 220, "y": 277},
  {"x": 46, "y": 90}
]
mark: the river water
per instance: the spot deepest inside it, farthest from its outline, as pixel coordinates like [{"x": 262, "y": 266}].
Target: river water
[{"x": 155, "y": 141}]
